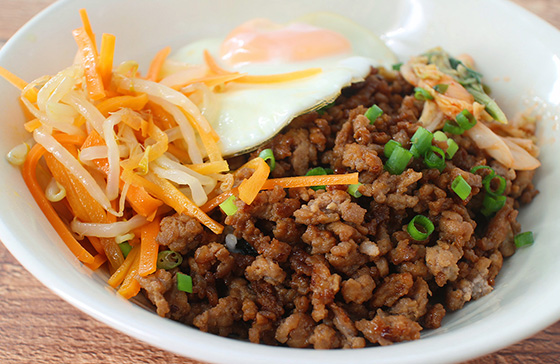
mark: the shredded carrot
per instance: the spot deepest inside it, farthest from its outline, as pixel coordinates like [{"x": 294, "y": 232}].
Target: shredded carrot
[
  {"x": 210, "y": 167},
  {"x": 213, "y": 66},
  {"x": 170, "y": 195},
  {"x": 209, "y": 140},
  {"x": 137, "y": 197},
  {"x": 30, "y": 178},
  {"x": 178, "y": 152},
  {"x": 96, "y": 243},
  {"x": 69, "y": 139},
  {"x": 98, "y": 261},
  {"x": 94, "y": 83},
  {"x": 249, "y": 188},
  {"x": 211, "y": 81},
  {"x": 87, "y": 27},
  {"x": 157, "y": 63},
  {"x": 106, "y": 59},
  {"x": 216, "y": 201},
  {"x": 148, "y": 248},
  {"x": 84, "y": 207},
  {"x": 32, "y": 125},
  {"x": 306, "y": 181},
  {"x": 19, "y": 83},
  {"x": 130, "y": 287},
  {"x": 282, "y": 77},
  {"x": 120, "y": 102},
  {"x": 118, "y": 276}
]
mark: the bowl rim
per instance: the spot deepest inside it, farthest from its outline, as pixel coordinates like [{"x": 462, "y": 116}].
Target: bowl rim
[{"x": 205, "y": 349}]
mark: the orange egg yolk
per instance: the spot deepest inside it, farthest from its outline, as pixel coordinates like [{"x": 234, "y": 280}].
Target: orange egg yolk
[{"x": 260, "y": 40}]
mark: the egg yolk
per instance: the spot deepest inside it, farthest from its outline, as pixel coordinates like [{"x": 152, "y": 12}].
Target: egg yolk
[{"x": 260, "y": 40}]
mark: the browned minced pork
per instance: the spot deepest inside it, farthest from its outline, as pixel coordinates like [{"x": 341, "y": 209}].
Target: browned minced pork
[{"x": 323, "y": 269}]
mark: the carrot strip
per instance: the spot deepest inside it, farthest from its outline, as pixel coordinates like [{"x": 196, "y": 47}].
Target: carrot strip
[
  {"x": 306, "y": 181},
  {"x": 210, "y": 81},
  {"x": 87, "y": 28},
  {"x": 96, "y": 243},
  {"x": 210, "y": 167},
  {"x": 120, "y": 102},
  {"x": 69, "y": 139},
  {"x": 170, "y": 195},
  {"x": 19, "y": 83},
  {"x": 32, "y": 125},
  {"x": 106, "y": 59},
  {"x": 98, "y": 261},
  {"x": 84, "y": 207},
  {"x": 118, "y": 276},
  {"x": 157, "y": 63},
  {"x": 30, "y": 178},
  {"x": 130, "y": 286},
  {"x": 282, "y": 77},
  {"x": 94, "y": 83},
  {"x": 249, "y": 188},
  {"x": 149, "y": 248},
  {"x": 216, "y": 201}
]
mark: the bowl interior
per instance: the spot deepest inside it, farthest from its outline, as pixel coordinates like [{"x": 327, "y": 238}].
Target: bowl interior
[{"x": 522, "y": 67}]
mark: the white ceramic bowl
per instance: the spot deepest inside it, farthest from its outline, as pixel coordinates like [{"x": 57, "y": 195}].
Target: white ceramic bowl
[{"x": 518, "y": 53}]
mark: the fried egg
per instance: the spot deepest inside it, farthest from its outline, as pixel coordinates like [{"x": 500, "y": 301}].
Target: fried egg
[{"x": 246, "y": 115}]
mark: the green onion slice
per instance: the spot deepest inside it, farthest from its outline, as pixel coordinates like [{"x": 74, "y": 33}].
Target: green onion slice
[
  {"x": 422, "y": 140},
  {"x": 461, "y": 187},
  {"x": 398, "y": 161},
  {"x": 441, "y": 88},
  {"x": 322, "y": 110},
  {"x": 524, "y": 239},
  {"x": 373, "y": 113},
  {"x": 228, "y": 206},
  {"x": 422, "y": 94},
  {"x": 389, "y": 147},
  {"x": 440, "y": 136},
  {"x": 268, "y": 155},
  {"x": 184, "y": 282},
  {"x": 125, "y": 248},
  {"x": 452, "y": 148},
  {"x": 452, "y": 128},
  {"x": 169, "y": 259},
  {"x": 478, "y": 168},
  {"x": 424, "y": 223},
  {"x": 353, "y": 190},
  {"x": 397, "y": 66},
  {"x": 435, "y": 158},
  {"x": 492, "y": 204},
  {"x": 487, "y": 183},
  {"x": 465, "y": 119}
]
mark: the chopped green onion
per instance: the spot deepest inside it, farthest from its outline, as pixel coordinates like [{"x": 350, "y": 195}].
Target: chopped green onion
[
  {"x": 373, "y": 113},
  {"x": 465, "y": 119},
  {"x": 389, "y": 147},
  {"x": 441, "y": 88},
  {"x": 169, "y": 259},
  {"x": 268, "y": 155},
  {"x": 398, "y": 161},
  {"x": 353, "y": 190},
  {"x": 478, "y": 168},
  {"x": 435, "y": 158},
  {"x": 492, "y": 204},
  {"x": 422, "y": 141},
  {"x": 318, "y": 171},
  {"x": 440, "y": 136},
  {"x": 422, "y": 94},
  {"x": 228, "y": 206},
  {"x": 461, "y": 187},
  {"x": 184, "y": 282},
  {"x": 397, "y": 66},
  {"x": 423, "y": 222},
  {"x": 451, "y": 127},
  {"x": 452, "y": 148},
  {"x": 125, "y": 248},
  {"x": 487, "y": 182},
  {"x": 524, "y": 239}
]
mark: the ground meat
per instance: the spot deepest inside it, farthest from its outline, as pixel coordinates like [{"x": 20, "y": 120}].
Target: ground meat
[{"x": 325, "y": 269}]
